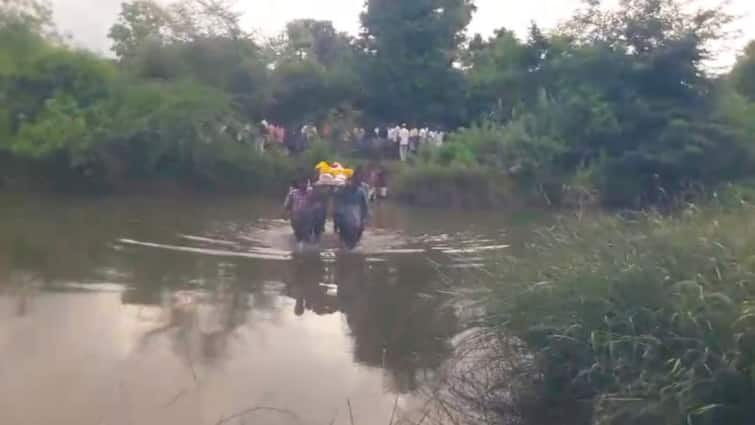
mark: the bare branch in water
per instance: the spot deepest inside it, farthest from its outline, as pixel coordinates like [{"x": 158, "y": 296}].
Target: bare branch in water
[
  {"x": 393, "y": 413},
  {"x": 351, "y": 414},
  {"x": 191, "y": 365},
  {"x": 175, "y": 398}
]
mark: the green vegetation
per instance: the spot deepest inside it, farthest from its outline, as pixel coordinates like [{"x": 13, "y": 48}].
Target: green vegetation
[
  {"x": 644, "y": 320},
  {"x": 410, "y": 48},
  {"x": 180, "y": 104},
  {"x": 616, "y": 102},
  {"x": 614, "y": 106},
  {"x": 452, "y": 186}
]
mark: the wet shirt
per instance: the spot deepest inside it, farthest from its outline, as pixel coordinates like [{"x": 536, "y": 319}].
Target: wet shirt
[
  {"x": 350, "y": 197},
  {"x": 296, "y": 200}
]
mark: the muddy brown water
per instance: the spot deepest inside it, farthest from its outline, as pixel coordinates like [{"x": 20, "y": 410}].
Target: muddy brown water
[{"x": 191, "y": 311}]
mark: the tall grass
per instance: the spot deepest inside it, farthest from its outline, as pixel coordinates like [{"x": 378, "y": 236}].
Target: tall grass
[{"x": 649, "y": 320}]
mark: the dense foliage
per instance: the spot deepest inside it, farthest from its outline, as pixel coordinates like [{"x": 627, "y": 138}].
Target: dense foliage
[
  {"x": 615, "y": 103},
  {"x": 645, "y": 321},
  {"x": 411, "y": 47},
  {"x": 619, "y": 100}
]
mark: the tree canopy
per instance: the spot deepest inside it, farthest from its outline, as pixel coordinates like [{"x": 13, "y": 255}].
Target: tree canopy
[
  {"x": 618, "y": 99},
  {"x": 412, "y": 49}
]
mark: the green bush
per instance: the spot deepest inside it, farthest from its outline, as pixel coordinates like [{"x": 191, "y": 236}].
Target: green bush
[
  {"x": 651, "y": 320},
  {"x": 480, "y": 142},
  {"x": 458, "y": 186}
]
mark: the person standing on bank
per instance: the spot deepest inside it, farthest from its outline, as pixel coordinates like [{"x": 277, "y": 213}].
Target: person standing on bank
[{"x": 403, "y": 136}]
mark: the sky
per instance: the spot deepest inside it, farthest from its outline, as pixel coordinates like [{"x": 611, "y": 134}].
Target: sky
[{"x": 88, "y": 21}]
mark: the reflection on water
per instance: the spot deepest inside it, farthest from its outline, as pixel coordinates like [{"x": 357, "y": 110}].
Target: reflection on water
[{"x": 140, "y": 311}]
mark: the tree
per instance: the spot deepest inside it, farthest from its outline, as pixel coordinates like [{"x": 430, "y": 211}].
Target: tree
[
  {"x": 34, "y": 15},
  {"x": 194, "y": 39},
  {"x": 55, "y": 95},
  {"x": 413, "y": 47},
  {"x": 619, "y": 95},
  {"x": 317, "y": 38},
  {"x": 743, "y": 74},
  {"x": 144, "y": 22},
  {"x": 139, "y": 23},
  {"x": 503, "y": 73},
  {"x": 193, "y": 19},
  {"x": 314, "y": 73}
]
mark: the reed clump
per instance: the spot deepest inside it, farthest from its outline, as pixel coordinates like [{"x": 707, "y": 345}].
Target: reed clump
[{"x": 633, "y": 320}]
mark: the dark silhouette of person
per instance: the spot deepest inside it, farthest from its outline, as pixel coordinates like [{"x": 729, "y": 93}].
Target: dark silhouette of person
[{"x": 351, "y": 210}]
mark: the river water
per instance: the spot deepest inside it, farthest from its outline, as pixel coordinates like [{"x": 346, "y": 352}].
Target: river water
[{"x": 185, "y": 311}]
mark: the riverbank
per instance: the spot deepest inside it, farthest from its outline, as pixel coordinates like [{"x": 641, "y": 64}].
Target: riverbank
[
  {"x": 482, "y": 187},
  {"x": 243, "y": 172},
  {"x": 424, "y": 185},
  {"x": 638, "y": 319},
  {"x": 415, "y": 183}
]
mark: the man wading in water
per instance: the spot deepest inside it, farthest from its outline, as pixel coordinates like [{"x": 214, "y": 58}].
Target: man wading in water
[
  {"x": 351, "y": 210},
  {"x": 303, "y": 209}
]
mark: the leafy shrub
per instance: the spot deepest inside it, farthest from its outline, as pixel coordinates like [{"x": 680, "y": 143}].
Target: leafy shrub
[
  {"x": 457, "y": 186},
  {"x": 650, "y": 320}
]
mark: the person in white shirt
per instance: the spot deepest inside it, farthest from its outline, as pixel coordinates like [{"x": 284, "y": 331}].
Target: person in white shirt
[
  {"x": 404, "y": 136},
  {"x": 266, "y": 138},
  {"x": 422, "y": 136}
]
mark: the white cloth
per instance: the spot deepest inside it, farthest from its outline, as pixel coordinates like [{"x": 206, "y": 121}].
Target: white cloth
[{"x": 404, "y": 137}]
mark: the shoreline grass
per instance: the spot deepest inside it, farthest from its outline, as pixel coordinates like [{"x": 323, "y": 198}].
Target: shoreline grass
[{"x": 648, "y": 320}]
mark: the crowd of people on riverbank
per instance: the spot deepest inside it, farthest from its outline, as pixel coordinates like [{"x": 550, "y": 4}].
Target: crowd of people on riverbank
[
  {"x": 409, "y": 140},
  {"x": 397, "y": 141}
]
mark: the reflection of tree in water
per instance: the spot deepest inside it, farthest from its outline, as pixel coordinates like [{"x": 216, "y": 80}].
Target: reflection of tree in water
[
  {"x": 53, "y": 249},
  {"x": 199, "y": 318},
  {"x": 398, "y": 326},
  {"x": 21, "y": 276},
  {"x": 22, "y": 287},
  {"x": 394, "y": 323},
  {"x": 204, "y": 300},
  {"x": 200, "y": 325}
]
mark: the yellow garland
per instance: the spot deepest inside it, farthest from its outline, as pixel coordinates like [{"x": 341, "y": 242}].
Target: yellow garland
[{"x": 325, "y": 168}]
